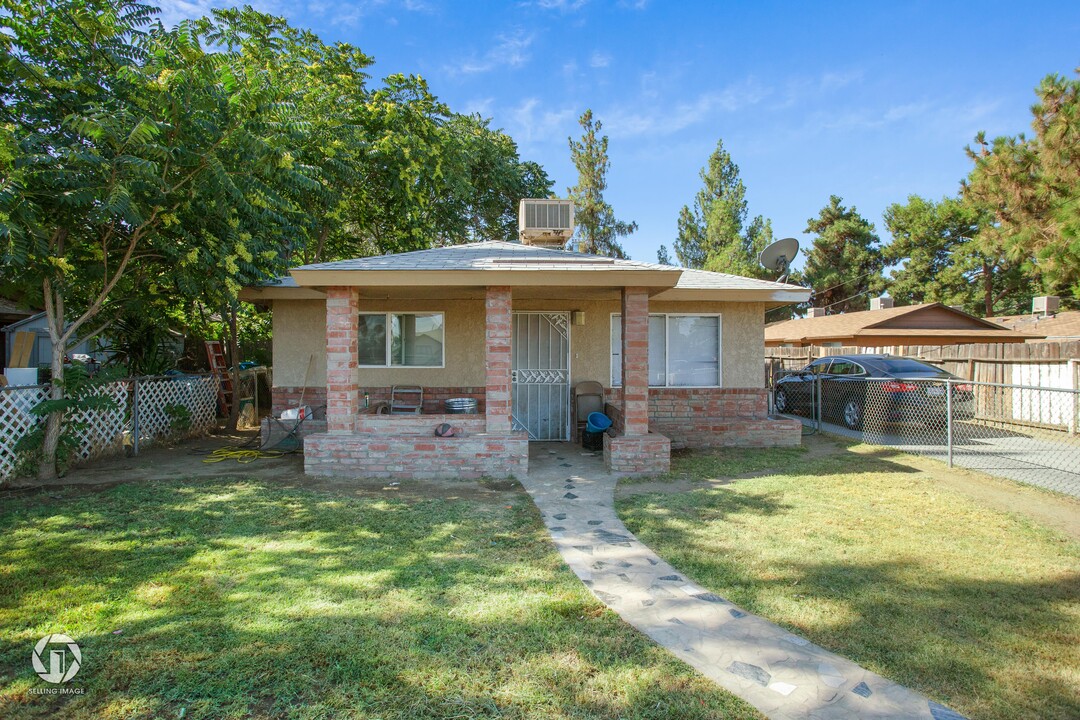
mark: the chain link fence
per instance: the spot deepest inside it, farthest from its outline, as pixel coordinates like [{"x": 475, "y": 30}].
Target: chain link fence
[
  {"x": 146, "y": 410},
  {"x": 1027, "y": 433}
]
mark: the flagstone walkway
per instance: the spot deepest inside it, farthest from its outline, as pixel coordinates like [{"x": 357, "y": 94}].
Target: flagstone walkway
[{"x": 781, "y": 674}]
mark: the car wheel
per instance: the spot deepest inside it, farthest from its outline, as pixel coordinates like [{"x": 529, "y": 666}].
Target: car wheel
[
  {"x": 780, "y": 402},
  {"x": 853, "y": 414}
]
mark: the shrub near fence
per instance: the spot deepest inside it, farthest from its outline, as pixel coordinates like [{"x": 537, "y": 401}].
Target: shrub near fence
[{"x": 147, "y": 409}]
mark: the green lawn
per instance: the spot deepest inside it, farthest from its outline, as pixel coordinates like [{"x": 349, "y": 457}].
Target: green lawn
[
  {"x": 246, "y": 600},
  {"x": 866, "y": 553}
]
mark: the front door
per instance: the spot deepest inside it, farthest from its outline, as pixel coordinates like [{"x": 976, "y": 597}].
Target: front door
[{"x": 541, "y": 374}]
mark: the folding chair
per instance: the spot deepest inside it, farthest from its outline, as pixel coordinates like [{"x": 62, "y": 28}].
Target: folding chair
[{"x": 406, "y": 399}]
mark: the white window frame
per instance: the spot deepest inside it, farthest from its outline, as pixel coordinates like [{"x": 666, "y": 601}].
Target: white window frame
[
  {"x": 667, "y": 349},
  {"x": 389, "y": 340}
]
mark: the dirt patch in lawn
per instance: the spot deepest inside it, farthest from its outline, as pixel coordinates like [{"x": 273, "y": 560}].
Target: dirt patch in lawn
[{"x": 187, "y": 460}]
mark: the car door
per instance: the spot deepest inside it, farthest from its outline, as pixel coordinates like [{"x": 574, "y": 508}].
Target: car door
[
  {"x": 806, "y": 388},
  {"x": 836, "y": 384}
]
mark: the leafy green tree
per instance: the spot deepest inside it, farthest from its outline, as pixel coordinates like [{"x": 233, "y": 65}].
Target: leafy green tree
[
  {"x": 663, "y": 257},
  {"x": 130, "y": 144},
  {"x": 713, "y": 234},
  {"x": 1031, "y": 187},
  {"x": 845, "y": 263},
  {"x": 597, "y": 229},
  {"x": 942, "y": 260}
]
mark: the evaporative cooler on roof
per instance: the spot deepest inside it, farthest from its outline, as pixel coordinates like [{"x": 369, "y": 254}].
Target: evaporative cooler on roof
[{"x": 548, "y": 223}]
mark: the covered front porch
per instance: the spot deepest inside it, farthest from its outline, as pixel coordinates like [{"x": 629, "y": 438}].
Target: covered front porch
[{"x": 523, "y": 391}]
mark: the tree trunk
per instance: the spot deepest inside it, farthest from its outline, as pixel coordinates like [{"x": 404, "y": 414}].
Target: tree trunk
[
  {"x": 53, "y": 421},
  {"x": 988, "y": 290},
  {"x": 234, "y": 370}
]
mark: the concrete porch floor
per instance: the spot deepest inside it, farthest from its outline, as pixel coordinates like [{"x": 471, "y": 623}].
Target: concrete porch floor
[{"x": 548, "y": 460}]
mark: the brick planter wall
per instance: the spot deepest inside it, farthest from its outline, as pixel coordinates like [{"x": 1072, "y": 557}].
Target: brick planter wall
[
  {"x": 637, "y": 454},
  {"x": 409, "y": 456}
]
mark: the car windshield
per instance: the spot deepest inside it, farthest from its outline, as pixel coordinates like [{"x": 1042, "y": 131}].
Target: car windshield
[{"x": 904, "y": 366}]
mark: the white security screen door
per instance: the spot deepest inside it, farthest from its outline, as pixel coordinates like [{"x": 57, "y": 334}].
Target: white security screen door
[{"x": 541, "y": 374}]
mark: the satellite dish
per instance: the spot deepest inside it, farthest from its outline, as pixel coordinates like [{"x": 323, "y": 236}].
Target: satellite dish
[{"x": 779, "y": 256}]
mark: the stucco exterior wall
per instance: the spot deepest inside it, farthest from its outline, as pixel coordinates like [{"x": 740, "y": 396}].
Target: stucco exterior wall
[{"x": 300, "y": 328}]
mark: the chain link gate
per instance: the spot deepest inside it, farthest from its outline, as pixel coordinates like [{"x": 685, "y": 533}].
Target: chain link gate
[{"x": 1027, "y": 433}]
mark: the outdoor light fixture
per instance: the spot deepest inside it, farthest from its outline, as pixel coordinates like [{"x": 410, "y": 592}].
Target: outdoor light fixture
[{"x": 577, "y": 317}]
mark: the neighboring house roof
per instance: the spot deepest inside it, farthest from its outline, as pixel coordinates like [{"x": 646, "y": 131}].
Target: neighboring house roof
[
  {"x": 926, "y": 320},
  {"x": 515, "y": 264},
  {"x": 1061, "y": 326}
]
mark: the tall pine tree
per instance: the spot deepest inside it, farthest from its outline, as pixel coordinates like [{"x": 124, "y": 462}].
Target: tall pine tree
[
  {"x": 713, "y": 234},
  {"x": 844, "y": 264},
  {"x": 597, "y": 229}
]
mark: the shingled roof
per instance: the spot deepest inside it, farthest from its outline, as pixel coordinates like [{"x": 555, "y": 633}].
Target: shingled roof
[
  {"x": 925, "y": 320},
  {"x": 515, "y": 263}
]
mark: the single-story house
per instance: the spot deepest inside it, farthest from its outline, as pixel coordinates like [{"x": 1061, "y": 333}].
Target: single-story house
[
  {"x": 41, "y": 353},
  {"x": 516, "y": 327},
  {"x": 925, "y": 324}
]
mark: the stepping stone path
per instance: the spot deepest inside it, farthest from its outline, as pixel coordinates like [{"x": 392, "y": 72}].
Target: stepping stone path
[{"x": 781, "y": 674}]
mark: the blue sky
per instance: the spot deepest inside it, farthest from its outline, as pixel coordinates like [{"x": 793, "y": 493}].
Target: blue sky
[{"x": 871, "y": 101}]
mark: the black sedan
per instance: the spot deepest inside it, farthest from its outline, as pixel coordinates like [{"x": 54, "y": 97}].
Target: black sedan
[{"x": 884, "y": 388}]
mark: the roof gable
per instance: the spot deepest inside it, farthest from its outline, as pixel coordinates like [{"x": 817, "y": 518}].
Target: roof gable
[{"x": 904, "y": 320}]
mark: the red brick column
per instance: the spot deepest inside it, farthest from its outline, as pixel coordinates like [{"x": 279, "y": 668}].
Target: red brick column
[
  {"x": 342, "y": 393},
  {"x": 635, "y": 361},
  {"x": 497, "y": 360}
]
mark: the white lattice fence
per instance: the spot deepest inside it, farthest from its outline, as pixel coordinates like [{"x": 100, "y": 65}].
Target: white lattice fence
[
  {"x": 16, "y": 421},
  {"x": 100, "y": 430},
  {"x": 159, "y": 402}
]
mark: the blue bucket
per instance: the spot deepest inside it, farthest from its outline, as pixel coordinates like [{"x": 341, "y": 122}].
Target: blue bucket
[{"x": 597, "y": 422}]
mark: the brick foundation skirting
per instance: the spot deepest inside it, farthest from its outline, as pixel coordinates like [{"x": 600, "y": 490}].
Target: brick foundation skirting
[
  {"x": 711, "y": 417},
  {"x": 409, "y": 456},
  {"x": 637, "y": 454}
]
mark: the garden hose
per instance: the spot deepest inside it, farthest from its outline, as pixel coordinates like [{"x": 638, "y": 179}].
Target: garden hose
[{"x": 242, "y": 455}]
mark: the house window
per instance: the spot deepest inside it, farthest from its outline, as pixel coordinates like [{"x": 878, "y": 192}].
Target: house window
[
  {"x": 400, "y": 340},
  {"x": 684, "y": 350}
]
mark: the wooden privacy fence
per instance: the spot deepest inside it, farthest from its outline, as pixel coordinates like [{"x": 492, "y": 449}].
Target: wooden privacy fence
[{"x": 146, "y": 410}]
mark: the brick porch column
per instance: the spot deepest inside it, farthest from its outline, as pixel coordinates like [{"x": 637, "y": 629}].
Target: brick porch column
[
  {"x": 342, "y": 393},
  {"x": 497, "y": 359},
  {"x": 635, "y": 360}
]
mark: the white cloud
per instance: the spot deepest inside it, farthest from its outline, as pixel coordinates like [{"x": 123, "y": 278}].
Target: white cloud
[
  {"x": 599, "y": 59},
  {"x": 531, "y": 122},
  {"x": 563, "y": 6},
  {"x": 479, "y": 106},
  {"x": 837, "y": 80},
  {"x": 666, "y": 119},
  {"x": 512, "y": 51}
]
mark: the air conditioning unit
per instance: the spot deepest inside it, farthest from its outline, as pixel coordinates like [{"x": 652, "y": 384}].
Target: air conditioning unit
[
  {"x": 545, "y": 222},
  {"x": 815, "y": 312},
  {"x": 1045, "y": 305},
  {"x": 881, "y": 303}
]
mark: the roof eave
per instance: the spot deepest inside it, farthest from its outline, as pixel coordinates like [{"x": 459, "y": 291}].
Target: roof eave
[
  {"x": 485, "y": 277},
  {"x": 263, "y": 293},
  {"x": 774, "y": 297}
]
